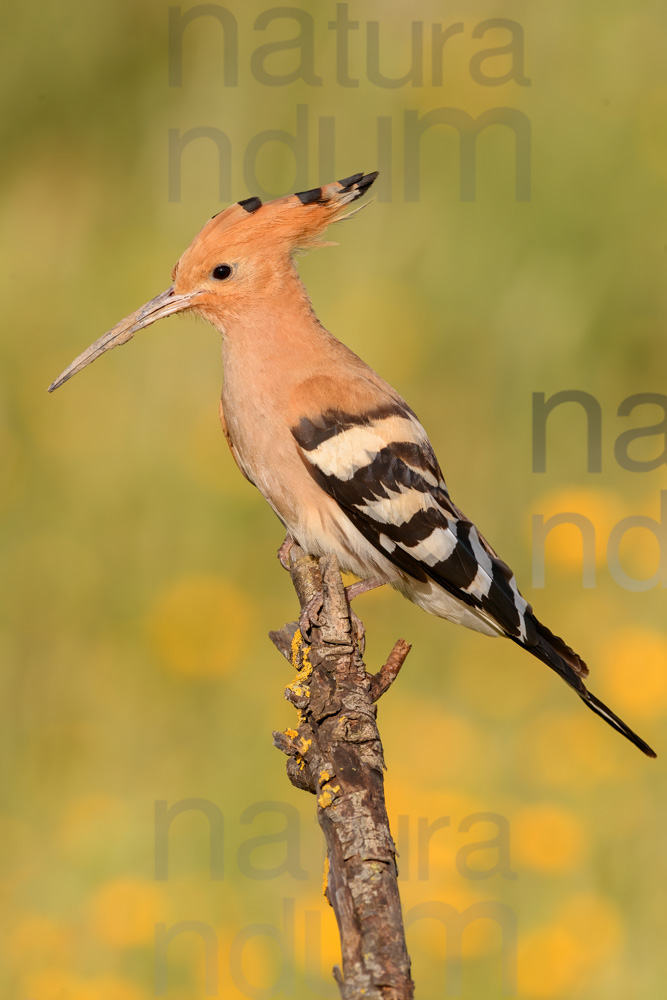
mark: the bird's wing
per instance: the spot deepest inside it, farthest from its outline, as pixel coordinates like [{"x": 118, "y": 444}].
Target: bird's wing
[{"x": 380, "y": 468}]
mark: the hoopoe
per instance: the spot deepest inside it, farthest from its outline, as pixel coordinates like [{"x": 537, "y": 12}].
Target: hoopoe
[{"x": 334, "y": 449}]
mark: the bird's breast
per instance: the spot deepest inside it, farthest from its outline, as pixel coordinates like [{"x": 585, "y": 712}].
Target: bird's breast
[{"x": 266, "y": 452}]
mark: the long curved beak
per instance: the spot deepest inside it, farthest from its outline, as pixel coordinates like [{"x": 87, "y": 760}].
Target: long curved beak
[{"x": 164, "y": 304}]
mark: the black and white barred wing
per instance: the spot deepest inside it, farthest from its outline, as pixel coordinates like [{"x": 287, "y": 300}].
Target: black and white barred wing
[{"x": 381, "y": 470}]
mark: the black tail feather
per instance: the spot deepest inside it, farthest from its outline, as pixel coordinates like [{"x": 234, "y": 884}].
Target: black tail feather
[
  {"x": 571, "y": 670},
  {"x": 605, "y": 713}
]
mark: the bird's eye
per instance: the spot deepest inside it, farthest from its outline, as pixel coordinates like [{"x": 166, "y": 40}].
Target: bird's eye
[{"x": 221, "y": 272}]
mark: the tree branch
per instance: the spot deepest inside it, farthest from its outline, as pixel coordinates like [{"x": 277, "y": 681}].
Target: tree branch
[{"x": 335, "y": 752}]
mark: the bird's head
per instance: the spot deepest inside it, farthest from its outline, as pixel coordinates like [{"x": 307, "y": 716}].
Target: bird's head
[{"x": 239, "y": 254}]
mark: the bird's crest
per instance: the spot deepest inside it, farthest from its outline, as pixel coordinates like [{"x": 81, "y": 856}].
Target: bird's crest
[{"x": 294, "y": 222}]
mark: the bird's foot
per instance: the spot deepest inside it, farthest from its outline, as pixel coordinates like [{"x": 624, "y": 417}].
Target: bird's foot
[
  {"x": 310, "y": 613},
  {"x": 355, "y": 590},
  {"x": 284, "y": 551},
  {"x": 310, "y": 616},
  {"x": 362, "y": 587},
  {"x": 360, "y": 631}
]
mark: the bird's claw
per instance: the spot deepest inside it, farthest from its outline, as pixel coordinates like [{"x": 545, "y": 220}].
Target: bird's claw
[
  {"x": 362, "y": 587},
  {"x": 310, "y": 613},
  {"x": 284, "y": 551},
  {"x": 310, "y": 616},
  {"x": 360, "y": 630}
]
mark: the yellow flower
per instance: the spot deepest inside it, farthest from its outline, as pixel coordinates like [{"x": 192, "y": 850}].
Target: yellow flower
[
  {"x": 565, "y": 543},
  {"x": 565, "y": 749},
  {"x": 38, "y": 940},
  {"x": 460, "y": 746},
  {"x": 480, "y": 935},
  {"x": 549, "y": 962},
  {"x": 595, "y": 922},
  {"x": 52, "y": 983},
  {"x": 197, "y": 625},
  {"x": 124, "y": 912},
  {"x": 586, "y": 933},
  {"x": 636, "y": 672},
  {"x": 547, "y": 838}
]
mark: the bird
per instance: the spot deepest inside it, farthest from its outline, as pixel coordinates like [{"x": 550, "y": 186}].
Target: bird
[{"x": 335, "y": 450}]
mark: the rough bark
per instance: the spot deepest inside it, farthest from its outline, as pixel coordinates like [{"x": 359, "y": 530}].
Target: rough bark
[{"x": 335, "y": 752}]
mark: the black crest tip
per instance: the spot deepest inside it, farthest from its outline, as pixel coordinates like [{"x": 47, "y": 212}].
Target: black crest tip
[
  {"x": 366, "y": 181},
  {"x": 308, "y": 197},
  {"x": 251, "y": 204},
  {"x": 347, "y": 182}
]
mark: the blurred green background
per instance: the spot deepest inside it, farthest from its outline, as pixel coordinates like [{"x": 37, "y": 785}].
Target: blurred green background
[{"x": 139, "y": 576}]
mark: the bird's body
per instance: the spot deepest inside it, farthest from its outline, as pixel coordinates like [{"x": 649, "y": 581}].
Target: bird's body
[
  {"x": 304, "y": 390},
  {"x": 301, "y": 385},
  {"x": 337, "y": 453}
]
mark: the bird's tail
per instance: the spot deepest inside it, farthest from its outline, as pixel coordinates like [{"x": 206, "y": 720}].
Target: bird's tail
[
  {"x": 550, "y": 649},
  {"x": 605, "y": 713}
]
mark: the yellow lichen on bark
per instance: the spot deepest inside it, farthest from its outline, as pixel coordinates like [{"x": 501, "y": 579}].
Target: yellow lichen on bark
[
  {"x": 329, "y": 793},
  {"x": 302, "y": 665}
]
